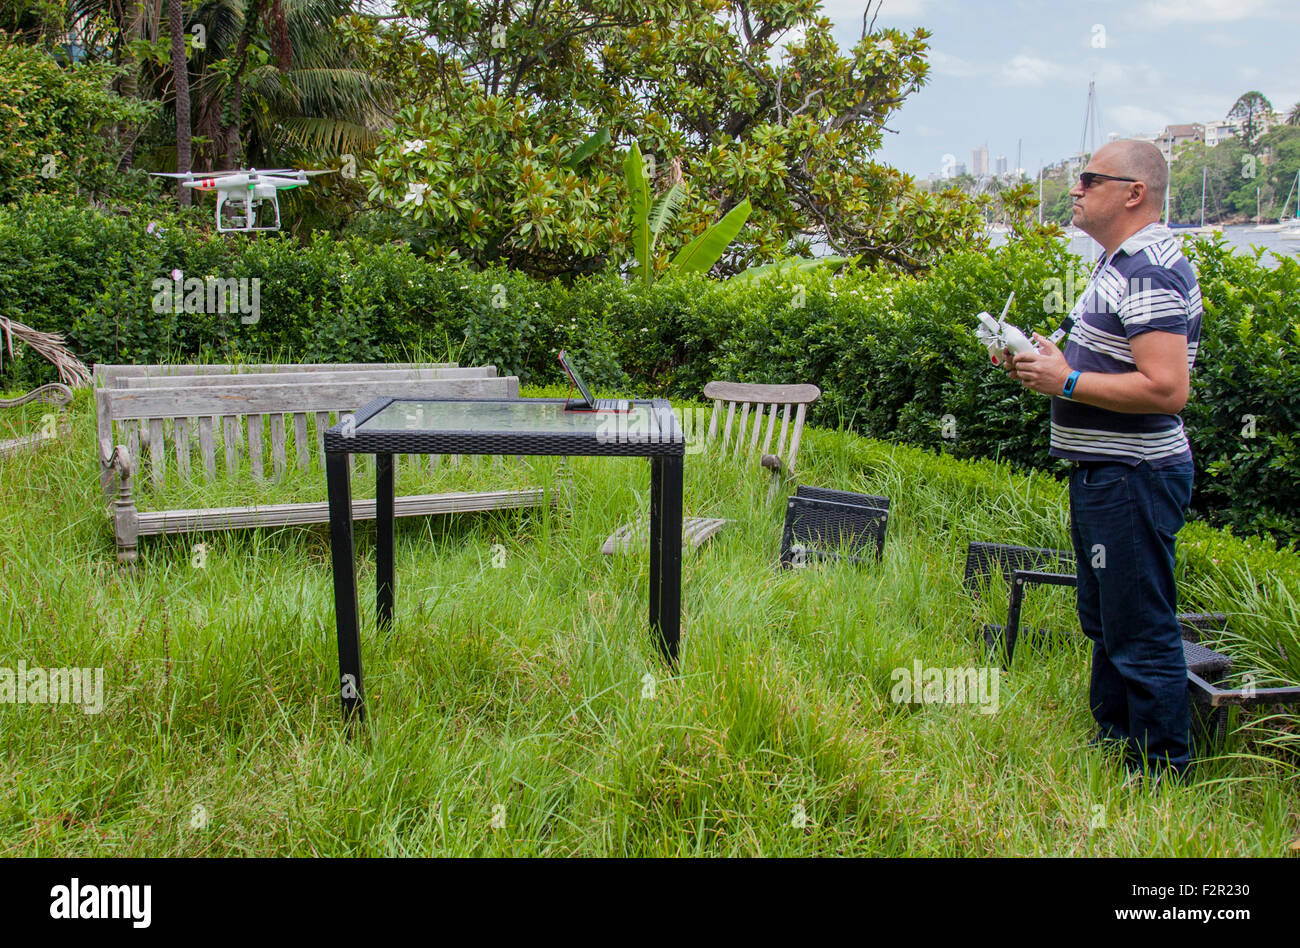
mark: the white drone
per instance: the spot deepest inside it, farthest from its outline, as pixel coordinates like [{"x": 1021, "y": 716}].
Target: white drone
[{"x": 247, "y": 200}]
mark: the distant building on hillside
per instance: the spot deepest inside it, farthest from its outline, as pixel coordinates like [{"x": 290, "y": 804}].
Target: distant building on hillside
[
  {"x": 979, "y": 160},
  {"x": 1000, "y": 165},
  {"x": 1175, "y": 136},
  {"x": 1220, "y": 131}
]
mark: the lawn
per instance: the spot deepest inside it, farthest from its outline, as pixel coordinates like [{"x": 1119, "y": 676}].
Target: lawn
[{"x": 519, "y": 707}]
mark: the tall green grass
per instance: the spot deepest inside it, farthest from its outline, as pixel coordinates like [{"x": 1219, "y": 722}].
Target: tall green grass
[{"x": 531, "y": 689}]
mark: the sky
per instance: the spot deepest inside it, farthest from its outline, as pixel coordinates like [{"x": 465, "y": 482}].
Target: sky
[{"x": 1004, "y": 70}]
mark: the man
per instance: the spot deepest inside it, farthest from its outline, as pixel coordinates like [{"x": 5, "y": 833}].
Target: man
[{"x": 1116, "y": 393}]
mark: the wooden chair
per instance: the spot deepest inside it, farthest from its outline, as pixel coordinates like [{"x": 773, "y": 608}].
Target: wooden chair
[{"x": 747, "y": 439}]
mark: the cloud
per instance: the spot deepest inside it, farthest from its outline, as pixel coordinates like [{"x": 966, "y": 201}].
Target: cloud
[
  {"x": 1135, "y": 120},
  {"x": 1024, "y": 70},
  {"x": 890, "y": 8},
  {"x": 945, "y": 64},
  {"x": 1164, "y": 12}
]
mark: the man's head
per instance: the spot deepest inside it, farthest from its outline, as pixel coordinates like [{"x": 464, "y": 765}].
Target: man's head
[{"x": 1127, "y": 193}]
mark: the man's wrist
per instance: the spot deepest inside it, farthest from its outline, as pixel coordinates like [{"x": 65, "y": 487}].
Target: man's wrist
[{"x": 1071, "y": 380}]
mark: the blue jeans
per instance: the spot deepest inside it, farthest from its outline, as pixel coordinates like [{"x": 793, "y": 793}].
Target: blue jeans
[{"x": 1123, "y": 521}]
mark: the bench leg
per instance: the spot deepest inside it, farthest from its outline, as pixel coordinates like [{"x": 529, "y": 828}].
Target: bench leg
[{"x": 126, "y": 520}]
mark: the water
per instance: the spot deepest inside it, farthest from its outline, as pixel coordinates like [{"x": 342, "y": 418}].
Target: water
[{"x": 1240, "y": 237}]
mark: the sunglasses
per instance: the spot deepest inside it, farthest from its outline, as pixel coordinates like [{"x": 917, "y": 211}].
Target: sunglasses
[{"x": 1090, "y": 178}]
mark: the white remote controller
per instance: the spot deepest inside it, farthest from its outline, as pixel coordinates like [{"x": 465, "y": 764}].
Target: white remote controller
[{"x": 999, "y": 335}]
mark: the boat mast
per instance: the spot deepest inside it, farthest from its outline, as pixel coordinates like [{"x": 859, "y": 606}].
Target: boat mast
[
  {"x": 1169, "y": 176},
  {"x": 1203, "y": 169}
]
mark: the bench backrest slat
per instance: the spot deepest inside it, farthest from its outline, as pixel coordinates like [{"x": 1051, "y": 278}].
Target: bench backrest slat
[
  {"x": 254, "y": 424},
  {"x": 290, "y": 378},
  {"x": 157, "y": 450},
  {"x": 110, "y": 375},
  {"x": 181, "y": 435},
  {"x": 207, "y": 447},
  {"x": 300, "y": 440},
  {"x": 278, "y": 463},
  {"x": 124, "y": 404}
]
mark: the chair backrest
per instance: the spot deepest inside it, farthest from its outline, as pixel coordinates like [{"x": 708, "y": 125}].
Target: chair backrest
[
  {"x": 983, "y": 558},
  {"x": 826, "y": 529},
  {"x": 842, "y": 496},
  {"x": 748, "y": 435},
  {"x": 154, "y": 416},
  {"x": 108, "y": 375}
]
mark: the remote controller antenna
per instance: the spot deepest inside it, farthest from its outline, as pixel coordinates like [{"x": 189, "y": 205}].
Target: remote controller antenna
[{"x": 1006, "y": 309}]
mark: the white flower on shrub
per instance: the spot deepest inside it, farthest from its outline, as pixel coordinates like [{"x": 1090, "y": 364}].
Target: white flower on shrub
[
  {"x": 415, "y": 193},
  {"x": 413, "y": 144}
]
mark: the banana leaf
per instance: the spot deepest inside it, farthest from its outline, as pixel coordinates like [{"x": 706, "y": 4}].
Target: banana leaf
[
  {"x": 703, "y": 252},
  {"x": 639, "y": 191},
  {"x": 598, "y": 140},
  {"x": 787, "y": 268},
  {"x": 665, "y": 209}
]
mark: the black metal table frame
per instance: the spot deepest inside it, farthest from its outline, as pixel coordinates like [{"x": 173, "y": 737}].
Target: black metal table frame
[{"x": 665, "y": 450}]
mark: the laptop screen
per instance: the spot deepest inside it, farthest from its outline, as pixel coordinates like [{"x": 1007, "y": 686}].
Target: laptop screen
[{"x": 577, "y": 380}]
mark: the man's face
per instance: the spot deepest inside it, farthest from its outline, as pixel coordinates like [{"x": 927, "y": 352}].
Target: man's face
[{"x": 1098, "y": 207}]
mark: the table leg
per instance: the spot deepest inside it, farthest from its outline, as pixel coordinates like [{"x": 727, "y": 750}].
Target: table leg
[
  {"x": 345, "y": 584},
  {"x": 666, "y": 552},
  {"x": 656, "y": 537},
  {"x": 384, "y": 510}
]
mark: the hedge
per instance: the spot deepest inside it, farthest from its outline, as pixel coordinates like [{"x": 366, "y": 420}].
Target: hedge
[{"x": 893, "y": 354}]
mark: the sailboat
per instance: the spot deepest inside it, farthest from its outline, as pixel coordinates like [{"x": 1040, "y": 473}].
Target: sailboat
[
  {"x": 1286, "y": 223},
  {"x": 1187, "y": 229}
]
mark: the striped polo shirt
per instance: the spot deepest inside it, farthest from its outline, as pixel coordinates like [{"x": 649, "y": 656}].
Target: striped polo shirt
[{"x": 1146, "y": 286}]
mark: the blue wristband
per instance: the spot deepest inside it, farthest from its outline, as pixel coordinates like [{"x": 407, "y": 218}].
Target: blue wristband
[{"x": 1068, "y": 391}]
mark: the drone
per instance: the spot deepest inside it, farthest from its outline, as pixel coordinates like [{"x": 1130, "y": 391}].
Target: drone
[{"x": 247, "y": 199}]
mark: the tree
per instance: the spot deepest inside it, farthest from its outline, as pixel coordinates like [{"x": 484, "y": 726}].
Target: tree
[
  {"x": 181, "y": 85},
  {"x": 1293, "y": 117},
  {"x": 1250, "y": 109},
  {"x": 53, "y": 123},
  {"x": 751, "y": 99}
]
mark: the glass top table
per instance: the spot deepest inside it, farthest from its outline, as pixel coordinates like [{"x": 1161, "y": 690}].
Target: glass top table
[
  {"x": 507, "y": 426},
  {"x": 539, "y": 426}
]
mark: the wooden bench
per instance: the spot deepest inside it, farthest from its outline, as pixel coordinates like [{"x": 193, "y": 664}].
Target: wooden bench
[
  {"x": 163, "y": 423},
  {"x": 110, "y": 375},
  {"x": 214, "y": 376}
]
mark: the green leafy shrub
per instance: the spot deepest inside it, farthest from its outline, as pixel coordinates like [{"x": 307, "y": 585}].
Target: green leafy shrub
[
  {"x": 894, "y": 355},
  {"x": 52, "y": 124}
]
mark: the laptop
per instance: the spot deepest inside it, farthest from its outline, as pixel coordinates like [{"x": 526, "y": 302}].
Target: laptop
[{"x": 587, "y": 403}]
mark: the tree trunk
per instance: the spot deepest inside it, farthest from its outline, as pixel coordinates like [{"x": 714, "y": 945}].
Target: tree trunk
[
  {"x": 181, "y": 82},
  {"x": 134, "y": 26},
  {"x": 232, "y": 132}
]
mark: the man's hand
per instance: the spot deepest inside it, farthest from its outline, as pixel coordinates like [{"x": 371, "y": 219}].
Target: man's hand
[{"x": 1044, "y": 371}]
